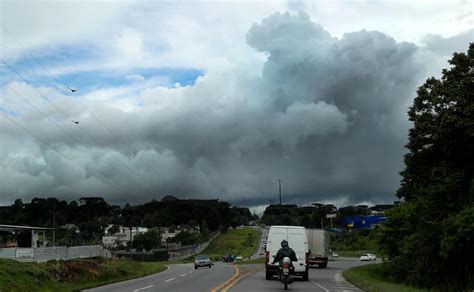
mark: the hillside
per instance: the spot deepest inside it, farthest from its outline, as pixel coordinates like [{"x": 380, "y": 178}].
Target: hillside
[
  {"x": 242, "y": 241},
  {"x": 70, "y": 275}
]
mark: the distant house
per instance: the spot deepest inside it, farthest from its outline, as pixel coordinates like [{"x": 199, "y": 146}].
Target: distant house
[
  {"x": 93, "y": 200},
  {"x": 122, "y": 237},
  {"x": 189, "y": 228}
]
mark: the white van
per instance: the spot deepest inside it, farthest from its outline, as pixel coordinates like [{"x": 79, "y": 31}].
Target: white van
[{"x": 297, "y": 240}]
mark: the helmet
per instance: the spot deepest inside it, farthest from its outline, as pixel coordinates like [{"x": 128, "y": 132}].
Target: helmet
[{"x": 284, "y": 243}]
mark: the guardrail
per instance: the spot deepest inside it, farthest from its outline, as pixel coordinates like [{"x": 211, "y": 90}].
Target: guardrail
[{"x": 44, "y": 254}]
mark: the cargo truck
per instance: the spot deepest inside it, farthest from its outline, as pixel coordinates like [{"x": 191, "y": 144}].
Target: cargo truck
[{"x": 318, "y": 244}]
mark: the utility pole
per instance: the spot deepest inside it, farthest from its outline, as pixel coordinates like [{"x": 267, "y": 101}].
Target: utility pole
[
  {"x": 279, "y": 187},
  {"x": 54, "y": 223}
]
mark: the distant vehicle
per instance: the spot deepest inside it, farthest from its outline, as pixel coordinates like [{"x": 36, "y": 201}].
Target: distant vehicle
[
  {"x": 368, "y": 257},
  {"x": 228, "y": 258},
  {"x": 318, "y": 242},
  {"x": 239, "y": 258},
  {"x": 297, "y": 240},
  {"x": 334, "y": 255},
  {"x": 202, "y": 261}
]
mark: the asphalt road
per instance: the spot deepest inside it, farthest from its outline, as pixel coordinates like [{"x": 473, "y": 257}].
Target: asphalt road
[
  {"x": 260, "y": 251},
  {"x": 323, "y": 280},
  {"x": 181, "y": 277}
]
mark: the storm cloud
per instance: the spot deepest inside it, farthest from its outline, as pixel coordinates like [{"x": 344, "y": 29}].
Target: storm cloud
[{"x": 325, "y": 114}]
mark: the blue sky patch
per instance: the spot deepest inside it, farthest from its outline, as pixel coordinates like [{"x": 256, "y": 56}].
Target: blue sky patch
[{"x": 36, "y": 69}]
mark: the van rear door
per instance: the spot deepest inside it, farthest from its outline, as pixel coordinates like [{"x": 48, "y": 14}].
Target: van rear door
[
  {"x": 298, "y": 242},
  {"x": 274, "y": 242}
]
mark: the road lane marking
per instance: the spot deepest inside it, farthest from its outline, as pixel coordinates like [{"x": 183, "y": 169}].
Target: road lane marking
[
  {"x": 322, "y": 287},
  {"x": 237, "y": 273},
  {"x": 191, "y": 272},
  {"x": 339, "y": 278},
  {"x": 136, "y": 290},
  {"x": 234, "y": 282},
  {"x": 170, "y": 279},
  {"x": 183, "y": 275}
]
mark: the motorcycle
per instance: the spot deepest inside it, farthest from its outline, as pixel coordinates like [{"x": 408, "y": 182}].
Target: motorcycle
[{"x": 286, "y": 272}]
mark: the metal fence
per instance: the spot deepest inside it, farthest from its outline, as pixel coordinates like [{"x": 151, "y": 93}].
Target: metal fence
[{"x": 44, "y": 254}]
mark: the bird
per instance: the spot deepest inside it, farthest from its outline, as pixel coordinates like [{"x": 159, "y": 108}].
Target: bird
[
  {"x": 75, "y": 122},
  {"x": 72, "y": 89}
]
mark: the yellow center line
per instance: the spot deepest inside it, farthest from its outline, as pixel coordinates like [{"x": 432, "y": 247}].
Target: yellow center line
[
  {"x": 234, "y": 282},
  {"x": 237, "y": 273}
]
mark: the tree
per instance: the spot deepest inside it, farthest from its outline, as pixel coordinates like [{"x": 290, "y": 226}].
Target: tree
[
  {"x": 428, "y": 239},
  {"x": 114, "y": 229},
  {"x": 146, "y": 241},
  {"x": 185, "y": 238}
]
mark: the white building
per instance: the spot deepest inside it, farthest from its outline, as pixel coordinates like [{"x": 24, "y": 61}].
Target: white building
[{"x": 124, "y": 235}]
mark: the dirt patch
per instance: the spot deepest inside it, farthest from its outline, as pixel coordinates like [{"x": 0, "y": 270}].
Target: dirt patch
[{"x": 75, "y": 270}]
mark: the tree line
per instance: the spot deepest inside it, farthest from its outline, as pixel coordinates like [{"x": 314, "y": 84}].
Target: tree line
[
  {"x": 315, "y": 216},
  {"x": 90, "y": 216}
]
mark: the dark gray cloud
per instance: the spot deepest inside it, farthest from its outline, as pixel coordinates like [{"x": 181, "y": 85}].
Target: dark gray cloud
[{"x": 327, "y": 115}]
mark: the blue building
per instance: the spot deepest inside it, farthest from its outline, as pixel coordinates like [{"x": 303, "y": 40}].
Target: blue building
[{"x": 358, "y": 222}]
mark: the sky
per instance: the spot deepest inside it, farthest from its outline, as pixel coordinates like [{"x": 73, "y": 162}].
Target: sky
[{"x": 216, "y": 100}]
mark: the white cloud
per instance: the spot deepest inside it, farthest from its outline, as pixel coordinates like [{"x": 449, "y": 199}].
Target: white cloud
[
  {"x": 326, "y": 113},
  {"x": 135, "y": 77}
]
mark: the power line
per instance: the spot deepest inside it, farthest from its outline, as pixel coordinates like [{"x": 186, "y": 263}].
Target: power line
[
  {"x": 62, "y": 129},
  {"x": 35, "y": 87},
  {"x": 54, "y": 78}
]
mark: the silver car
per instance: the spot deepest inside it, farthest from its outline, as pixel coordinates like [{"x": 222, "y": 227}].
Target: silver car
[{"x": 202, "y": 261}]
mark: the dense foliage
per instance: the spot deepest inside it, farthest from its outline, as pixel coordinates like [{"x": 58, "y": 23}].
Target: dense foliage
[
  {"x": 313, "y": 216},
  {"x": 146, "y": 241},
  {"x": 356, "y": 240},
  {"x": 429, "y": 240},
  {"x": 91, "y": 217}
]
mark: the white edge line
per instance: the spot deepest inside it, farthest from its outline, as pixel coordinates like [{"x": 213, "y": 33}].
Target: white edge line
[
  {"x": 338, "y": 277},
  {"x": 320, "y": 286},
  {"x": 191, "y": 272},
  {"x": 183, "y": 275},
  {"x": 170, "y": 279},
  {"x": 136, "y": 290}
]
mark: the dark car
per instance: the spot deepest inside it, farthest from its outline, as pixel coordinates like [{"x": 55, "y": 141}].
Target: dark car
[
  {"x": 227, "y": 258},
  {"x": 202, "y": 261}
]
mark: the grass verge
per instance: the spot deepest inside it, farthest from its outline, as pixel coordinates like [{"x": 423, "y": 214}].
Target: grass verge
[
  {"x": 72, "y": 275},
  {"x": 373, "y": 279},
  {"x": 242, "y": 241}
]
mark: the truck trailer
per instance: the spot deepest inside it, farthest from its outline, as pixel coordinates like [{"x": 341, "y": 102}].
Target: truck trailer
[{"x": 318, "y": 243}]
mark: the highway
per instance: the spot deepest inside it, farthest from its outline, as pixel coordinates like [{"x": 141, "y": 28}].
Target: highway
[
  {"x": 180, "y": 277},
  {"x": 235, "y": 278},
  {"x": 323, "y": 280}
]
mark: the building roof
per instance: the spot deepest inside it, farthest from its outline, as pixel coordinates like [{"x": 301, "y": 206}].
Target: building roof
[{"x": 21, "y": 228}]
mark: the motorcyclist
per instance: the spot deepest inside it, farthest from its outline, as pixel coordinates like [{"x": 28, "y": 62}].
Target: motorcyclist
[{"x": 285, "y": 251}]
